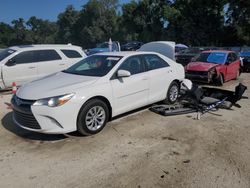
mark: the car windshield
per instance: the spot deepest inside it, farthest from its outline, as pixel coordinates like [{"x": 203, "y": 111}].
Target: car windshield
[
  {"x": 212, "y": 57},
  {"x": 5, "y": 53},
  {"x": 96, "y": 65},
  {"x": 103, "y": 45}
]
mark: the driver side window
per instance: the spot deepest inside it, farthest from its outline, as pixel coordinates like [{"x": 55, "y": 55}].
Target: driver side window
[
  {"x": 24, "y": 57},
  {"x": 230, "y": 58}
]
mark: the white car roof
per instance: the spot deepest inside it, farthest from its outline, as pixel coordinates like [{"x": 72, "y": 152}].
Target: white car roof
[
  {"x": 125, "y": 53},
  {"x": 43, "y": 46}
]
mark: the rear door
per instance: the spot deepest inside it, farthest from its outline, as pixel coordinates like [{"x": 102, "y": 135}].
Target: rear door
[
  {"x": 21, "y": 68},
  {"x": 131, "y": 92},
  {"x": 49, "y": 62},
  {"x": 233, "y": 65},
  {"x": 160, "y": 76}
]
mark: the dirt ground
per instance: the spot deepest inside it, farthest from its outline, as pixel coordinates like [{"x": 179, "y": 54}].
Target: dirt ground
[{"x": 139, "y": 150}]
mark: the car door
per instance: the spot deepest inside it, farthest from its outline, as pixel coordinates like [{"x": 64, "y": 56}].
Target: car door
[
  {"x": 49, "y": 62},
  {"x": 235, "y": 65},
  {"x": 232, "y": 66},
  {"x": 160, "y": 76},
  {"x": 131, "y": 92},
  {"x": 21, "y": 68}
]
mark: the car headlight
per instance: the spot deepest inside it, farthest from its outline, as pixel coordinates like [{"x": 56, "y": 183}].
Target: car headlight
[
  {"x": 212, "y": 72},
  {"x": 54, "y": 101}
]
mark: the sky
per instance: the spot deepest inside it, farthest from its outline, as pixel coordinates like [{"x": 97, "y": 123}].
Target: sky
[{"x": 45, "y": 9}]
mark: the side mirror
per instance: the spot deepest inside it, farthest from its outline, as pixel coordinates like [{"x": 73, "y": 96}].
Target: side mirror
[
  {"x": 227, "y": 63},
  {"x": 123, "y": 73},
  {"x": 11, "y": 62}
]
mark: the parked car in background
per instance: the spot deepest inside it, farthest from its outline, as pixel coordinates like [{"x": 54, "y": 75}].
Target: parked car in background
[
  {"x": 245, "y": 55},
  {"x": 179, "y": 48},
  {"x": 21, "y": 64},
  {"x": 131, "y": 46},
  {"x": 214, "y": 67},
  {"x": 185, "y": 56},
  {"x": 104, "y": 47},
  {"x": 96, "y": 89}
]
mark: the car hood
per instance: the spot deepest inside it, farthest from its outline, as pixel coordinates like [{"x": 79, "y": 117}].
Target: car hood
[
  {"x": 54, "y": 85},
  {"x": 200, "y": 66}
]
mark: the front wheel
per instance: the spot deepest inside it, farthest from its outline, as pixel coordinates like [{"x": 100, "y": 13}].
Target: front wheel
[
  {"x": 92, "y": 117},
  {"x": 173, "y": 93},
  {"x": 220, "y": 80}
]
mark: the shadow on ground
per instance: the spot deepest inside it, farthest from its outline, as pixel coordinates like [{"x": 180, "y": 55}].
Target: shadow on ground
[{"x": 9, "y": 125}]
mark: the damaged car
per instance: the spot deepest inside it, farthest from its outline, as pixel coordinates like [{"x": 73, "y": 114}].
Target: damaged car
[{"x": 215, "y": 66}]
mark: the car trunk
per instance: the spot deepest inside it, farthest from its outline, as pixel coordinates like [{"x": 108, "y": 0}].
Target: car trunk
[{"x": 166, "y": 48}]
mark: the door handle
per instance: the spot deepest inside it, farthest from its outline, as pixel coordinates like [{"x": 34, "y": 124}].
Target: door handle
[
  {"x": 32, "y": 67},
  {"x": 145, "y": 78}
]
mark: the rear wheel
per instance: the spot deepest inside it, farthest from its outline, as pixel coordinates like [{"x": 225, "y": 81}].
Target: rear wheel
[
  {"x": 173, "y": 93},
  {"x": 92, "y": 117}
]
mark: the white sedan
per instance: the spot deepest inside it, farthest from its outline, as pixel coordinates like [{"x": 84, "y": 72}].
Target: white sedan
[{"x": 94, "y": 90}]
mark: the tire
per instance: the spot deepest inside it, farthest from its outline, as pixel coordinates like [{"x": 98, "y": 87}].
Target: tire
[
  {"x": 220, "y": 80},
  {"x": 92, "y": 117},
  {"x": 173, "y": 93}
]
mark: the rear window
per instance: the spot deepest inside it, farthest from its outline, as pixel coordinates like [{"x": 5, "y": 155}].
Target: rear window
[
  {"x": 154, "y": 62},
  {"x": 36, "y": 56},
  {"x": 71, "y": 53},
  {"x": 46, "y": 55}
]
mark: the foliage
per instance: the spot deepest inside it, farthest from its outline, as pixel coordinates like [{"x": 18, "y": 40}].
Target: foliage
[{"x": 193, "y": 22}]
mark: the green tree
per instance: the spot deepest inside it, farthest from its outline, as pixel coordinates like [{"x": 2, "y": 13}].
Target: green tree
[
  {"x": 41, "y": 31},
  {"x": 238, "y": 22},
  {"x": 198, "y": 22},
  {"x": 144, "y": 20},
  {"x": 5, "y": 34},
  {"x": 66, "y": 21},
  {"x": 18, "y": 37},
  {"x": 97, "y": 23}
]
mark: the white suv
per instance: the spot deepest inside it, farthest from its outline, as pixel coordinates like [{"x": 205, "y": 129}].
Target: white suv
[{"x": 22, "y": 64}]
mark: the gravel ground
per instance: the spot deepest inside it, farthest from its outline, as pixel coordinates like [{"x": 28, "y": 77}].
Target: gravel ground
[{"x": 142, "y": 149}]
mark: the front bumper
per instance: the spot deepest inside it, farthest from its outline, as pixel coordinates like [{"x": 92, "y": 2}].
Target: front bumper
[
  {"x": 198, "y": 76},
  {"x": 44, "y": 119}
]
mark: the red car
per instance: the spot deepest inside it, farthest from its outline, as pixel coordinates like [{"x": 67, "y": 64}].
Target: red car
[{"x": 214, "y": 66}]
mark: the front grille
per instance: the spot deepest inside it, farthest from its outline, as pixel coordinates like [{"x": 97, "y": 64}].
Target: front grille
[
  {"x": 26, "y": 120},
  {"x": 198, "y": 73},
  {"x": 23, "y": 114}
]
